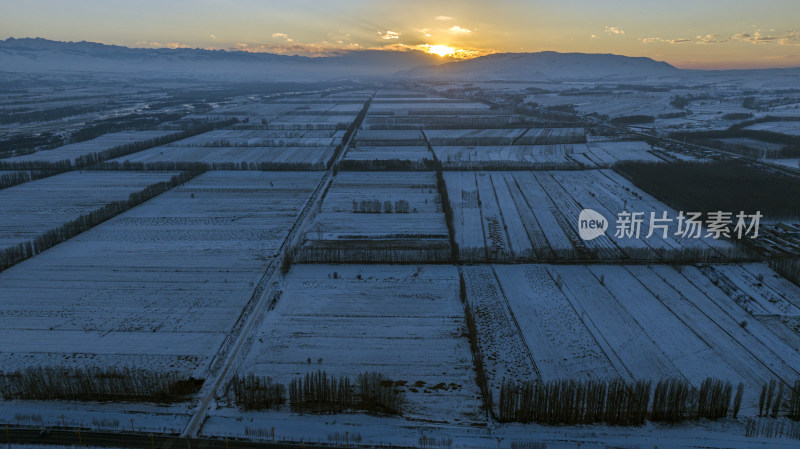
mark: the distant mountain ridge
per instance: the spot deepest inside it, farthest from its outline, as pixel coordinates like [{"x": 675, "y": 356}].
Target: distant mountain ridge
[
  {"x": 37, "y": 55},
  {"x": 40, "y": 55},
  {"x": 548, "y": 65}
]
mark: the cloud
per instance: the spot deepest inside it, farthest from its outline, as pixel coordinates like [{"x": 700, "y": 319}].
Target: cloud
[
  {"x": 711, "y": 39},
  {"x": 615, "y": 30},
  {"x": 756, "y": 37},
  {"x": 444, "y": 18},
  {"x": 458, "y": 30},
  {"x": 791, "y": 38},
  {"x": 389, "y": 34},
  {"x": 155, "y": 44},
  {"x": 290, "y": 48},
  {"x": 593, "y": 36},
  {"x": 653, "y": 40},
  {"x": 283, "y": 36},
  {"x": 213, "y": 37},
  {"x": 425, "y": 31}
]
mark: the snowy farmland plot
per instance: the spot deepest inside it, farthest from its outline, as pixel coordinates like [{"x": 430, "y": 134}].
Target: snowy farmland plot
[
  {"x": 75, "y": 151},
  {"x": 414, "y": 110},
  {"x": 411, "y": 156},
  {"x": 303, "y": 113},
  {"x": 443, "y": 120},
  {"x": 791, "y": 128},
  {"x": 367, "y": 137},
  {"x": 525, "y": 216},
  {"x": 312, "y": 122},
  {"x": 159, "y": 286},
  {"x": 505, "y": 136},
  {"x": 228, "y": 157},
  {"x": 632, "y": 322},
  {"x": 423, "y": 250},
  {"x": 31, "y": 209},
  {"x": 379, "y": 217},
  {"x": 405, "y": 322},
  {"x": 485, "y": 157},
  {"x": 253, "y": 112},
  {"x": 262, "y": 138},
  {"x": 542, "y": 157},
  {"x": 426, "y": 106},
  {"x": 466, "y": 137}
]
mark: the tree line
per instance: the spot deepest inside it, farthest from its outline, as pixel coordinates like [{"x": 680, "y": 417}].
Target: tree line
[
  {"x": 318, "y": 392},
  {"x": 424, "y": 164},
  {"x": 364, "y": 249},
  {"x": 18, "y": 177},
  {"x": 729, "y": 185},
  {"x": 97, "y": 384},
  {"x": 617, "y": 402},
  {"x": 376, "y": 206}
]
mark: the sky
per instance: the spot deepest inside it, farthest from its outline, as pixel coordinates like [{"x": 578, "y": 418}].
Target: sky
[{"x": 701, "y": 34}]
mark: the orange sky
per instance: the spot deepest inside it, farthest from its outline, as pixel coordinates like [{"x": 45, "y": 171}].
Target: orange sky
[{"x": 688, "y": 34}]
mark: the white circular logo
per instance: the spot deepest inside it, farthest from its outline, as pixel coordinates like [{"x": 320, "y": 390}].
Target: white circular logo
[{"x": 591, "y": 224}]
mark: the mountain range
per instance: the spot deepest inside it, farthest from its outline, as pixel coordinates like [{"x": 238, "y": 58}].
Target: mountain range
[{"x": 37, "y": 55}]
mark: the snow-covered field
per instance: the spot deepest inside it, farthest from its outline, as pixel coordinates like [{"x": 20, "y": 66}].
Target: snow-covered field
[
  {"x": 426, "y": 106},
  {"x": 74, "y": 151},
  {"x": 793, "y": 163},
  {"x": 307, "y": 112},
  {"x": 468, "y": 137},
  {"x": 157, "y": 287},
  {"x": 170, "y": 285},
  {"x": 519, "y": 216},
  {"x": 591, "y": 155},
  {"x": 634, "y": 322},
  {"x": 411, "y": 153},
  {"x": 790, "y": 127},
  {"x": 262, "y": 138},
  {"x": 275, "y": 156},
  {"x": 31, "y": 209},
  {"x": 363, "y": 219},
  {"x": 403, "y": 137},
  {"x": 404, "y": 321},
  {"x": 312, "y": 122},
  {"x": 613, "y": 105}
]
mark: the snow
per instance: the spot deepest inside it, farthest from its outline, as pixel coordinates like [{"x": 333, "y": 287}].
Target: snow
[
  {"x": 403, "y": 321},
  {"x": 157, "y": 287},
  {"x": 339, "y": 233},
  {"x": 561, "y": 345},
  {"x": 545, "y": 205},
  {"x": 262, "y": 138},
  {"x": 388, "y": 152},
  {"x": 274, "y": 156},
  {"x": 32, "y": 208},
  {"x": 74, "y": 151},
  {"x": 791, "y": 128}
]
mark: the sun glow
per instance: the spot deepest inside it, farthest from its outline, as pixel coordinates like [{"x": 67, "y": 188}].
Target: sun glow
[{"x": 441, "y": 50}]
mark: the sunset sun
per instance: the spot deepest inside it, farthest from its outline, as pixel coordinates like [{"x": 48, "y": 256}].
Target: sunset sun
[{"x": 441, "y": 50}]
